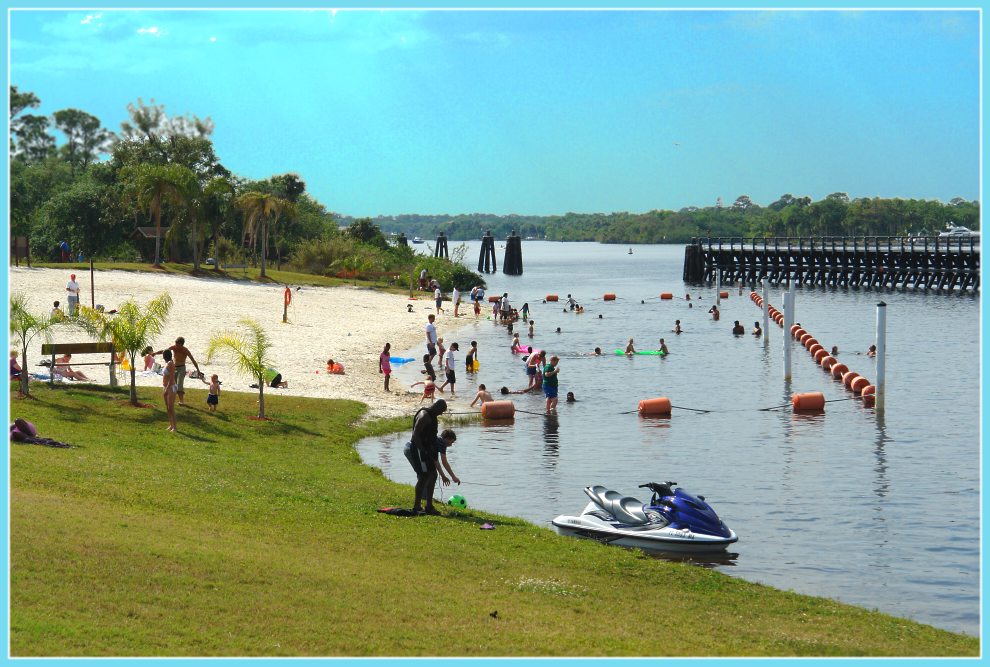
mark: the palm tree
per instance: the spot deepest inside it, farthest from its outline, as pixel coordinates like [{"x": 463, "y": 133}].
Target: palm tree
[
  {"x": 249, "y": 355},
  {"x": 218, "y": 196},
  {"x": 130, "y": 330},
  {"x": 25, "y": 326},
  {"x": 152, "y": 185},
  {"x": 261, "y": 213}
]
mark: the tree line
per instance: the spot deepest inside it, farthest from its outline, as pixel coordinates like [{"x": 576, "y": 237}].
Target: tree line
[
  {"x": 159, "y": 170},
  {"x": 835, "y": 215}
]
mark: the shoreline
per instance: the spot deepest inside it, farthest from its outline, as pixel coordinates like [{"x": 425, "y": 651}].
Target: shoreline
[{"x": 348, "y": 324}]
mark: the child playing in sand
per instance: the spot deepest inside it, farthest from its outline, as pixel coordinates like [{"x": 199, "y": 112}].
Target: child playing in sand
[
  {"x": 213, "y": 398},
  {"x": 334, "y": 368},
  {"x": 384, "y": 364},
  {"x": 481, "y": 396}
]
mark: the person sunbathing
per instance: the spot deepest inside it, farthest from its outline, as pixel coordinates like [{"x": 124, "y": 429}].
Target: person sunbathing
[{"x": 63, "y": 368}]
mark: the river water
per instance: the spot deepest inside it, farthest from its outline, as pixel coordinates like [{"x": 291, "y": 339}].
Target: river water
[{"x": 877, "y": 510}]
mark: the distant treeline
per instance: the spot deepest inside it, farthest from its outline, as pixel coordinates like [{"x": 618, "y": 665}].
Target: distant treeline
[{"x": 835, "y": 215}]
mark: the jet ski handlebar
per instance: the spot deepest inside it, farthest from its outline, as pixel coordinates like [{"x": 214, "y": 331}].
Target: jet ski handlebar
[
  {"x": 666, "y": 489},
  {"x": 659, "y": 490}
]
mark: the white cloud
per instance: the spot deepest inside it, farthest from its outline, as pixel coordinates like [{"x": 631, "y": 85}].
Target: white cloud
[
  {"x": 153, "y": 30},
  {"x": 90, "y": 18},
  {"x": 213, "y": 39}
]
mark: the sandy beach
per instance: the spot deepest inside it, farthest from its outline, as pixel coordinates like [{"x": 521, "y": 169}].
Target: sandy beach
[{"x": 349, "y": 324}]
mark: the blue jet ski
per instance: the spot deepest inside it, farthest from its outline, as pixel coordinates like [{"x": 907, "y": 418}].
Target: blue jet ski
[{"x": 673, "y": 520}]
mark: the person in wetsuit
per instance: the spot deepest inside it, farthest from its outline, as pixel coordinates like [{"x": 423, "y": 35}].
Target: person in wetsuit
[{"x": 422, "y": 454}]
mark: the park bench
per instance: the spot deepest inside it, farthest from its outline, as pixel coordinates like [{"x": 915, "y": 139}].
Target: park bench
[
  {"x": 80, "y": 348},
  {"x": 243, "y": 267}
]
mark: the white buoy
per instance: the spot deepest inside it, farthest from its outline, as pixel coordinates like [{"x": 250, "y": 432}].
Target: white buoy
[
  {"x": 788, "y": 321},
  {"x": 766, "y": 313},
  {"x": 881, "y": 353}
]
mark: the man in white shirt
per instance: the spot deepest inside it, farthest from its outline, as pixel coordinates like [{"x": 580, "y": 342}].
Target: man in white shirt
[
  {"x": 449, "y": 364},
  {"x": 504, "y": 307},
  {"x": 455, "y": 296},
  {"x": 72, "y": 287},
  {"x": 431, "y": 337}
]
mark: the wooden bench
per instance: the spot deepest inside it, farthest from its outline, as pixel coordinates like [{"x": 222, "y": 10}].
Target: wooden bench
[
  {"x": 242, "y": 267},
  {"x": 81, "y": 348}
]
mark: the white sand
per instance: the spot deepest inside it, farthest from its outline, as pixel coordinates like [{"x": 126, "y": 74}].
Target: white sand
[{"x": 351, "y": 325}]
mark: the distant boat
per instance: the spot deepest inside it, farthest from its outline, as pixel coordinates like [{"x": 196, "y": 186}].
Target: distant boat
[
  {"x": 630, "y": 251},
  {"x": 416, "y": 239}
]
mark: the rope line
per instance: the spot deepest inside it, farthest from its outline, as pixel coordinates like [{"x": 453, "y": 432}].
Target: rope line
[{"x": 679, "y": 407}]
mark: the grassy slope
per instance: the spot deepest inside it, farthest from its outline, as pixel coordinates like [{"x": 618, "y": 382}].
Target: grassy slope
[{"x": 239, "y": 537}]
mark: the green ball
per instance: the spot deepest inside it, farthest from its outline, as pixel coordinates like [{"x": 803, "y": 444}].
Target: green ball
[{"x": 457, "y": 500}]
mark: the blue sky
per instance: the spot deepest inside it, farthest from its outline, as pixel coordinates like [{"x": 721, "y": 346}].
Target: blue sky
[{"x": 540, "y": 112}]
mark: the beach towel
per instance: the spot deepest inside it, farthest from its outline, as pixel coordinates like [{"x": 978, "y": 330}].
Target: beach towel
[{"x": 397, "y": 511}]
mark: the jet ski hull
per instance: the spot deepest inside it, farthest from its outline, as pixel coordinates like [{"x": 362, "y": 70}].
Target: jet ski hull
[{"x": 651, "y": 538}]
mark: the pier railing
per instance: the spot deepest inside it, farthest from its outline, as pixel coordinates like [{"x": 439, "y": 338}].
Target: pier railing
[{"x": 929, "y": 262}]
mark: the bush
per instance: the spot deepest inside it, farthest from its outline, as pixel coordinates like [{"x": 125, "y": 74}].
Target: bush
[{"x": 449, "y": 274}]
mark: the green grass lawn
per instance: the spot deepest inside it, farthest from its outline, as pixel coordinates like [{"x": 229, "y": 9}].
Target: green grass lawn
[
  {"x": 243, "y": 537},
  {"x": 248, "y": 273}
]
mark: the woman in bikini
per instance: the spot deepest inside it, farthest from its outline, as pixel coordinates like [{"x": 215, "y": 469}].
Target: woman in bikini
[{"x": 170, "y": 388}]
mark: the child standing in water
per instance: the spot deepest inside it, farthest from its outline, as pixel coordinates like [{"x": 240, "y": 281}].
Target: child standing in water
[
  {"x": 531, "y": 322},
  {"x": 472, "y": 355},
  {"x": 525, "y": 312},
  {"x": 213, "y": 398},
  {"x": 384, "y": 364}
]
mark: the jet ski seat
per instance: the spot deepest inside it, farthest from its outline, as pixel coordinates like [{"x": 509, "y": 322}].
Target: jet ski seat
[{"x": 625, "y": 509}]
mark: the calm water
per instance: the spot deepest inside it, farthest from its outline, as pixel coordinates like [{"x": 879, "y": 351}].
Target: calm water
[{"x": 881, "y": 512}]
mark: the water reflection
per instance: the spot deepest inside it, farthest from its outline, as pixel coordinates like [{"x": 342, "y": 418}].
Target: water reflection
[
  {"x": 551, "y": 441},
  {"x": 706, "y": 560}
]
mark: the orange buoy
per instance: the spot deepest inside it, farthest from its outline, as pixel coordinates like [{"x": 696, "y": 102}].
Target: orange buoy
[
  {"x": 828, "y": 361},
  {"x": 869, "y": 400},
  {"x": 723, "y": 295},
  {"x": 654, "y": 407},
  {"x": 838, "y": 370},
  {"x": 552, "y": 297},
  {"x": 498, "y": 410},
  {"x": 794, "y": 327},
  {"x": 848, "y": 377},
  {"x": 812, "y": 401},
  {"x": 859, "y": 384},
  {"x": 800, "y": 332},
  {"x": 804, "y": 338},
  {"x": 610, "y": 297},
  {"x": 813, "y": 349},
  {"x": 869, "y": 390},
  {"x": 820, "y": 354},
  {"x": 810, "y": 343},
  {"x": 287, "y": 296},
  {"x": 666, "y": 296}
]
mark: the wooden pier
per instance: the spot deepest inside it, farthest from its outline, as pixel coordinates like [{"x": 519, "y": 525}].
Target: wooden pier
[{"x": 871, "y": 262}]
